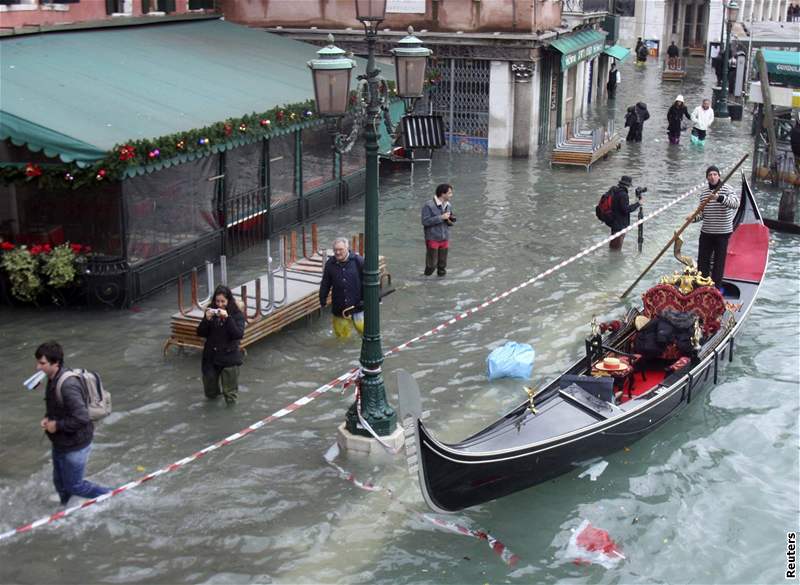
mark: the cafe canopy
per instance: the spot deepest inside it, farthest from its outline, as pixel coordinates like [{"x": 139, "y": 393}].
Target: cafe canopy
[{"x": 77, "y": 95}]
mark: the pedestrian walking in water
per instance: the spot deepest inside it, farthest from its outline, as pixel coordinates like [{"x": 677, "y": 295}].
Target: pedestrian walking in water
[
  {"x": 672, "y": 55},
  {"x": 621, "y": 210},
  {"x": 794, "y": 141},
  {"x": 223, "y": 327},
  {"x": 67, "y": 425},
  {"x": 632, "y": 124},
  {"x": 702, "y": 118},
  {"x": 344, "y": 275},
  {"x": 437, "y": 217},
  {"x": 717, "y": 218},
  {"x": 641, "y": 53},
  {"x": 677, "y": 111},
  {"x": 634, "y": 119},
  {"x": 613, "y": 79}
]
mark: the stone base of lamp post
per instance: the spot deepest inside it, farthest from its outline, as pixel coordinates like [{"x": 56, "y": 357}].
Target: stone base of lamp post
[{"x": 367, "y": 445}]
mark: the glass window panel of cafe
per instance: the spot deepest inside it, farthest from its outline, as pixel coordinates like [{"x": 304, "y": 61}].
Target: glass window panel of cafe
[
  {"x": 89, "y": 216},
  {"x": 243, "y": 169},
  {"x": 281, "y": 169},
  {"x": 317, "y": 158},
  {"x": 355, "y": 159},
  {"x": 170, "y": 207}
]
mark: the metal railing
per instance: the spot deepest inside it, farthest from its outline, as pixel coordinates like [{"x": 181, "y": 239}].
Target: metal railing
[{"x": 586, "y": 6}]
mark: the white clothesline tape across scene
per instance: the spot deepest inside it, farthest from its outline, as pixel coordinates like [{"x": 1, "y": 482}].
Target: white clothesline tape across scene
[{"x": 345, "y": 379}]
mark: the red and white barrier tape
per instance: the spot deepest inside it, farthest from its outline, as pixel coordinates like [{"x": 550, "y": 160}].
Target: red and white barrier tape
[
  {"x": 344, "y": 379},
  {"x": 496, "y": 545}
]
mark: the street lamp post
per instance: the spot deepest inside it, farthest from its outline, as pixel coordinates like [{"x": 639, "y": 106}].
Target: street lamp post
[
  {"x": 721, "y": 110},
  {"x": 330, "y": 72}
]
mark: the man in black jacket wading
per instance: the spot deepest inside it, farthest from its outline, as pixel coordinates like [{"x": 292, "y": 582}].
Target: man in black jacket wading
[
  {"x": 67, "y": 425},
  {"x": 621, "y": 210},
  {"x": 344, "y": 274}
]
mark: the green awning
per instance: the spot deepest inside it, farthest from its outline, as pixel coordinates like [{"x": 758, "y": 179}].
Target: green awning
[
  {"x": 618, "y": 52},
  {"x": 576, "y": 47},
  {"x": 783, "y": 66},
  {"x": 77, "y": 94}
]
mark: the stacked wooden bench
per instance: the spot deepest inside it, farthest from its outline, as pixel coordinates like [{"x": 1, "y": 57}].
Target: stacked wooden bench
[
  {"x": 269, "y": 307},
  {"x": 674, "y": 73},
  {"x": 578, "y": 147}
]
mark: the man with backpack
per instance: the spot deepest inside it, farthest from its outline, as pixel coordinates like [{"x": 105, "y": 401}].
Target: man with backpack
[
  {"x": 614, "y": 209},
  {"x": 67, "y": 424}
]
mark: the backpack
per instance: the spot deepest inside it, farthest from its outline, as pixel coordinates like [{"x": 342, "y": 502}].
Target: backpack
[
  {"x": 603, "y": 210},
  {"x": 98, "y": 399}
]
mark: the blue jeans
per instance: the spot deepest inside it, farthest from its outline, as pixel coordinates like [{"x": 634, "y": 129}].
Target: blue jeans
[{"x": 68, "y": 470}]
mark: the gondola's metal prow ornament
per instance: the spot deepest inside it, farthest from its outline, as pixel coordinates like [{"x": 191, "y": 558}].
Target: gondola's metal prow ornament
[{"x": 531, "y": 392}]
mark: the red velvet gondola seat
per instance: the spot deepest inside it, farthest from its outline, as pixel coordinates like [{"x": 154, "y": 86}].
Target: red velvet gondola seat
[{"x": 704, "y": 301}]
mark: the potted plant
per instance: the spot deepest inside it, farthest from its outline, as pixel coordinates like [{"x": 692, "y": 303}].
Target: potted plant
[{"x": 34, "y": 270}]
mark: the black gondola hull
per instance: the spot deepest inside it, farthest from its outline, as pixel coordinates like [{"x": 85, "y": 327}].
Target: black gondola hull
[{"x": 523, "y": 449}]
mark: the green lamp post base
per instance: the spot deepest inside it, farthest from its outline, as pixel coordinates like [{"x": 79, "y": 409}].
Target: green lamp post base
[{"x": 374, "y": 408}]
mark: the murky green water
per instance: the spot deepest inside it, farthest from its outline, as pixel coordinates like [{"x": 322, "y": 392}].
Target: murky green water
[{"x": 708, "y": 498}]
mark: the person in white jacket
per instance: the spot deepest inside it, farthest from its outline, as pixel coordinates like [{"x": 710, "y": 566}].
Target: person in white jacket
[{"x": 702, "y": 118}]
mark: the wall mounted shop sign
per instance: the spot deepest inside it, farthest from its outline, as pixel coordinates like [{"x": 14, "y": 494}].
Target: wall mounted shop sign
[
  {"x": 579, "y": 47},
  {"x": 571, "y": 59}
]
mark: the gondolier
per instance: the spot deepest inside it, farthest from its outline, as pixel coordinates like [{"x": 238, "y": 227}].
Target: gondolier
[{"x": 717, "y": 218}]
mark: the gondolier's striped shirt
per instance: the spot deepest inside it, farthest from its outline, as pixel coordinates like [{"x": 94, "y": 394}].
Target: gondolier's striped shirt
[{"x": 718, "y": 217}]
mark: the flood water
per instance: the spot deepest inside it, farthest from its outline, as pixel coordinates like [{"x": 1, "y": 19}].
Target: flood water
[{"x": 707, "y": 498}]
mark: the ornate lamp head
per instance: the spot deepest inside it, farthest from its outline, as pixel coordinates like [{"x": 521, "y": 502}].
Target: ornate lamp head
[{"x": 331, "y": 73}]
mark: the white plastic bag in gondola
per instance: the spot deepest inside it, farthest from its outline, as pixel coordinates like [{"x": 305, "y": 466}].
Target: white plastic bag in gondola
[{"x": 512, "y": 360}]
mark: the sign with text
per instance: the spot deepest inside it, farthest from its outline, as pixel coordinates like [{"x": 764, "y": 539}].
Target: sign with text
[
  {"x": 581, "y": 54},
  {"x": 405, "y": 6}
]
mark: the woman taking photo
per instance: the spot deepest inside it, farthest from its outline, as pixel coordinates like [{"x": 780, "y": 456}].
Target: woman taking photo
[{"x": 223, "y": 327}]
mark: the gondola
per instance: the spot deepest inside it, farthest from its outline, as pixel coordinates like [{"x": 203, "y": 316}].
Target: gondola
[{"x": 584, "y": 414}]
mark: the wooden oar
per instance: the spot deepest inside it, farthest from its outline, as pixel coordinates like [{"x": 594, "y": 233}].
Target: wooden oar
[{"x": 689, "y": 220}]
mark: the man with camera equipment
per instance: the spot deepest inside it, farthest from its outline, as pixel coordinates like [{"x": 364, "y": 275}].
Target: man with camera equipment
[
  {"x": 621, "y": 209},
  {"x": 223, "y": 327},
  {"x": 344, "y": 274},
  {"x": 67, "y": 425},
  {"x": 437, "y": 217}
]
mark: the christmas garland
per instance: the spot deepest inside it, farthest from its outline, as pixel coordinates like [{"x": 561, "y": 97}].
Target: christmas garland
[{"x": 140, "y": 153}]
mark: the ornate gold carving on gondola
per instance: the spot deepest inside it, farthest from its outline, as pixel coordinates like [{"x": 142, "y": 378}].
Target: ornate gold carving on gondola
[
  {"x": 531, "y": 392},
  {"x": 691, "y": 277}
]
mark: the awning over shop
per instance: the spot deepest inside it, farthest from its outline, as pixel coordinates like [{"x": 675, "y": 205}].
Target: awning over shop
[
  {"x": 579, "y": 46},
  {"x": 618, "y": 52},
  {"x": 77, "y": 94},
  {"x": 783, "y": 66}
]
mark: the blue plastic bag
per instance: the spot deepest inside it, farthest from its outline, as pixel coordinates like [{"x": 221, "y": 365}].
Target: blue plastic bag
[{"x": 512, "y": 360}]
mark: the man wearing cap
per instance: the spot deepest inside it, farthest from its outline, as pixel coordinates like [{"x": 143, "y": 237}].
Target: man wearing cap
[
  {"x": 621, "y": 210},
  {"x": 717, "y": 218},
  {"x": 675, "y": 115}
]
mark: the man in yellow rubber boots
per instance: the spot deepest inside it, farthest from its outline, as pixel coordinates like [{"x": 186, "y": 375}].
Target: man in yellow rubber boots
[{"x": 343, "y": 273}]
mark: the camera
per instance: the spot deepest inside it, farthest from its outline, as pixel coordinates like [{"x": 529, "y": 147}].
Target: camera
[
  {"x": 639, "y": 191},
  {"x": 214, "y": 311},
  {"x": 452, "y": 219}
]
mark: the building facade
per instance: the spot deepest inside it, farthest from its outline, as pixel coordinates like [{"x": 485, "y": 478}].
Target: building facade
[
  {"x": 15, "y": 14},
  {"x": 496, "y": 79},
  {"x": 692, "y": 24}
]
